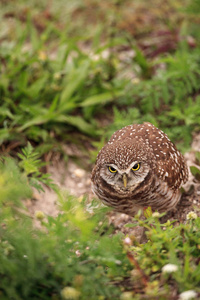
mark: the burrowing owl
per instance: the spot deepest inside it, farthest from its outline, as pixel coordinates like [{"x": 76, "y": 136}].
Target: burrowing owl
[{"x": 137, "y": 168}]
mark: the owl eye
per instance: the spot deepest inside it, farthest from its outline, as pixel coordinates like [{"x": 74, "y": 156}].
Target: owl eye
[
  {"x": 135, "y": 167},
  {"x": 112, "y": 170}
]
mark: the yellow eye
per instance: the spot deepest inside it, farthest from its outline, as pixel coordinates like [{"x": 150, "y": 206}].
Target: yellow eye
[
  {"x": 112, "y": 170},
  {"x": 135, "y": 167}
]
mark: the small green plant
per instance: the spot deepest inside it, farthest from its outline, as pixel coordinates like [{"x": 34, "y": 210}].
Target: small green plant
[
  {"x": 76, "y": 254},
  {"x": 31, "y": 164},
  {"x": 44, "y": 97},
  {"x": 169, "y": 99},
  {"x": 71, "y": 251},
  {"x": 14, "y": 188},
  {"x": 169, "y": 258}
]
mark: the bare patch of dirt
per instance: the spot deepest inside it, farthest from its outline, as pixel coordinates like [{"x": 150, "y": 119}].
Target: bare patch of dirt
[
  {"x": 73, "y": 179},
  {"x": 76, "y": 181}
]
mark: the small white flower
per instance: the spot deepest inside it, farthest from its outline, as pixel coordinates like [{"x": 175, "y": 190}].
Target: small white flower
[
  {"x": 188, "y": 295},
  {"x": 191, "y": 215},
  {"x": 169, "y": 268},
  {"x": 78, "y": 253},
  {"x": 127, "y": 241},
  {"x": 156, "y": 214}
]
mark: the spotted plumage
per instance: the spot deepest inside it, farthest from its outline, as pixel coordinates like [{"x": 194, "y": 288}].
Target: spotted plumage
[{"x": 139, "y": 167}]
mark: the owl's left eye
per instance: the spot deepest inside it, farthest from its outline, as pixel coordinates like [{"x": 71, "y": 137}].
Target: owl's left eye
[
  {"x": 135, "y": 167},
  {"x": 112, "y": 170}
]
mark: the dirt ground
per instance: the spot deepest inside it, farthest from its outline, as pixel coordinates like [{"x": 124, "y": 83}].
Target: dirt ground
[{"x": 76, "y": 181}]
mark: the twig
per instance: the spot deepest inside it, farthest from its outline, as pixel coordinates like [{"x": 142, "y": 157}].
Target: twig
[{"x": 144, "y": 277}]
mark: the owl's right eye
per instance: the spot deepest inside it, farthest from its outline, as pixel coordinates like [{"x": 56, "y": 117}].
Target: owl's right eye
[{"x": 112, "y": 170}]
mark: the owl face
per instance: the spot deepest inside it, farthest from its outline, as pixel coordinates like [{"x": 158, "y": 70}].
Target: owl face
[{"x": 124, "y": 180}]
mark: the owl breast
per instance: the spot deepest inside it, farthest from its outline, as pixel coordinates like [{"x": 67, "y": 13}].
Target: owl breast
[{"x": 137, "y": 168}]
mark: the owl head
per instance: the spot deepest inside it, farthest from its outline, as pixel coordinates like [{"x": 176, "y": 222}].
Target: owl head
[{"x": 124, "y": 165}]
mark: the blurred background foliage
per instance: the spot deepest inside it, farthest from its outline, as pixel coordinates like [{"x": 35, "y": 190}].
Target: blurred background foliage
[{"x": 66, "y": 66}]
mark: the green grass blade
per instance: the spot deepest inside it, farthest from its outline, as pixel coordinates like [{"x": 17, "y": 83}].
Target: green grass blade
[{"x": 101, "y": 98}]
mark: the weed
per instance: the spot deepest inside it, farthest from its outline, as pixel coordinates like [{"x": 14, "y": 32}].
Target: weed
[
  {"x": 48, "y": 93},
  {"x": 31, "y": 164},
  {"x": 72, "y": 254}
]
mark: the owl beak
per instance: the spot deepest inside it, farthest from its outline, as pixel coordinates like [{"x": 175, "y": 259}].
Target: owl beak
[{"x": 125, "y": 179}]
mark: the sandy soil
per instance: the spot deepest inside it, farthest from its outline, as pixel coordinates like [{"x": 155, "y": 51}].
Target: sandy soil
[{"x": 76, "y": 181}]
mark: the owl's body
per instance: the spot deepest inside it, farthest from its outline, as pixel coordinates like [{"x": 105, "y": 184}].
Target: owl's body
[{"x": 137, "y": 168}]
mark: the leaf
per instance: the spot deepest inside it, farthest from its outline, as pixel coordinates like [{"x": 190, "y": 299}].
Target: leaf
[
  {"x": 36, "y": 87},
  {"x": 73, "y": 81},
  {"x": 4, "y": 134},
  {"x": 195, "y": 172},
  {"x": 35, "y": 121},
  {"x": 101, "y": 99},
  {"x": 63, "y": 52},
  {"x": 54, "y": 104},
  {"x": 79, "y": 123},
  {"x": 197, "y": 156},
  {"x": 129, "y": 225},
  {"x": 5, "y": 112},
  {"x": 75, "y": 121},
  {"x": 142, "y": 62},
  {"x": 148, "y": 212},
  {"x": 36, "y": 184}
]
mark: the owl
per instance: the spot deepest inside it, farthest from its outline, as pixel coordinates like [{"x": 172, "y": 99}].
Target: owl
[{"x": 139, "y": 167}]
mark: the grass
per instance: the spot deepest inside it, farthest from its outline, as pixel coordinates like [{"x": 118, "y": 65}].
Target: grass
[
  {"x": 65, "y": 68},
  {"x": 53, "y": 83},
  {"x": 71, "y": 257}
]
